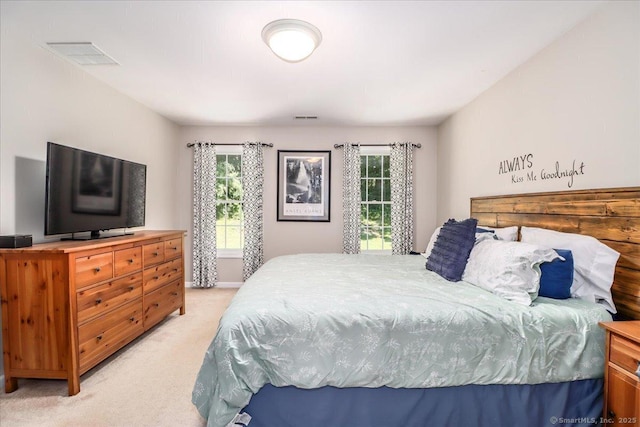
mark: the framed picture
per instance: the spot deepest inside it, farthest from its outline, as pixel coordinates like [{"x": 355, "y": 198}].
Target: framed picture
[
  {"x": 303, "y": 185},
  {"x": 97, "y": 183}
]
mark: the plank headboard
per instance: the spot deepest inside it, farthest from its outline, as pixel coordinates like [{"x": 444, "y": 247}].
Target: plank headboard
[{"x": 611, "y": 215}]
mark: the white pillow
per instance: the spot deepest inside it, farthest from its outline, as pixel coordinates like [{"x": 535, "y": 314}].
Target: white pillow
[
  {"x": 432, "y": 241},
  {"x": 510, "y": 270},
  {"x": 594, "y": 262},
  {"x": 505, "y": 233}
]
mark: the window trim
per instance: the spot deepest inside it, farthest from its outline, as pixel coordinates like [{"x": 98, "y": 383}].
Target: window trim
[
  {"x": 377, "y": 150},
  {"x": 230, "y": 253}
]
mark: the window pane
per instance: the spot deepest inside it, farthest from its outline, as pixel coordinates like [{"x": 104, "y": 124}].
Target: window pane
[
  {"x": 374, "y": 189},
  {"x": 234, "y": 189},
  {"x": 221, "y": 214},
  {"x": 386, "y": 170},
  {"x": 363, "y": 214},
  {"x": 220, "y": 236},
  {"x": 234, "y": 168},
  {"x": 234, "y": 237},
  {"x": 374, "y": 166},
  {"x": 221, "y": 189},
  {"x": 363, "y": 240},
  {"x": 386, "y": 190},
  {"x": 386, "y": 232},
  {"x": 375, "y": 238},
  {"x": 375, "y": 214},
  {"x": 234, "y": 213},
  {"x": 363, "y": 189},
  {"x": 221, "y": 161},
  {"x": 363, "y": 166},
  {"x": 386, "y": 215}
]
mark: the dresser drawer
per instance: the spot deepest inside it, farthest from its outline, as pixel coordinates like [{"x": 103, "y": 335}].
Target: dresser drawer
[
  {"x": 153, "y": 253},
  {"x": 624, "y": 353},
  {"x": 162, "y": 274},
  {"x": 160, "y": 303},
  {"x": 104, "y": 335},
  {"x": 127, "y": 261},
  {"x": 172, "y": 248},
  {"x": 99, "y": 299},
  {"x": 93, "y": 269}
]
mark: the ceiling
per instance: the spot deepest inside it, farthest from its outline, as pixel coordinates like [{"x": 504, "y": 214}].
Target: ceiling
[{"x": 379, "y": 63}]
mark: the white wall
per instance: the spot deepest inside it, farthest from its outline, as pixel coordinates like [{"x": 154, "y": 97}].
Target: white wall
[
  {"x": 578, "y": 99},
  {"x": 282, "y": 238},
  {"x": 44, "y": 98}
]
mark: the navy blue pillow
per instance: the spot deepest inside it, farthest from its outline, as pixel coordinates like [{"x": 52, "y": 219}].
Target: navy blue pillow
[
  {"x": 452, "y": 248},
  {"x": 557, "y": 276}
]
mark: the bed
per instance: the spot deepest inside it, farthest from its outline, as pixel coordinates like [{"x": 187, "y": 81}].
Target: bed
[{"x": 369, "y": 340}]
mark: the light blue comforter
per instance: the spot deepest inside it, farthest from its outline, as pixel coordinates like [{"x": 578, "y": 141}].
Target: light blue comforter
[{"x": 370, "y": 321}]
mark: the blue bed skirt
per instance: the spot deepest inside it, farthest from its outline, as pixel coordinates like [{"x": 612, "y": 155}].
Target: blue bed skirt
[{"x": 577, "y": 403}]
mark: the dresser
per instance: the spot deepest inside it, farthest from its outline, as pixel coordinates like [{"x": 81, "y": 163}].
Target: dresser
[
  {"x": 622, "y": 373},
  {"x": 68, "y": 305}
]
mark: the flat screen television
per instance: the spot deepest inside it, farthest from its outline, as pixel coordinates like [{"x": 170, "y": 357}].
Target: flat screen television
[{"x": 90, "y": 192}]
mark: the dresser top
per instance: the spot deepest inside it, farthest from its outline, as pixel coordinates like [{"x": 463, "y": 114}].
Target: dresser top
[
  {"x": 628, "y": 329},
  {"x": 68, "y": 246}
]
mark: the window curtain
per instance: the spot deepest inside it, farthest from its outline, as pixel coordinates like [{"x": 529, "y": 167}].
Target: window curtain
[
  {"x": 401, "y": 165},
  {"x": 252, "y": 190},
  {"x": 205, "y": 272},
  {"x": 351, "y": 199}
]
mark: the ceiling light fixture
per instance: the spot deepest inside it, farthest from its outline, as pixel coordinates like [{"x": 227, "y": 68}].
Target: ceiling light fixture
[{"x": 291, "y": 40}]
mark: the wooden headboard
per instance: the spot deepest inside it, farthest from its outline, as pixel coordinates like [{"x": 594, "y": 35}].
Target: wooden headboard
[{"x": 611, "y": 215}]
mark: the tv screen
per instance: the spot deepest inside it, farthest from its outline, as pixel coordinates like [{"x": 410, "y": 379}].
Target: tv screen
[{"x": 92, "y": 192}]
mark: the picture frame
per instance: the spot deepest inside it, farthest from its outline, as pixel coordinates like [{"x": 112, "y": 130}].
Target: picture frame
[{"x": 304, "y": 183}]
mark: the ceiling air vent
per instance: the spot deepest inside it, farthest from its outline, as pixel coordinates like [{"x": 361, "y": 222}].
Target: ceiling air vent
[
  {"x": 305, "y": 118},
  {"x": 83, "y": 53}
]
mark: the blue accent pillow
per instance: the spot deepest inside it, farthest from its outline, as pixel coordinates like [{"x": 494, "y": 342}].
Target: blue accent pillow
[
  {"x": 452, "y": 248},
  {"x": 557, "y": 276}
]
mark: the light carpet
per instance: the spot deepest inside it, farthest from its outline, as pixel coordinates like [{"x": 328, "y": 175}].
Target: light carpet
[{"x": 147, "y": 383}]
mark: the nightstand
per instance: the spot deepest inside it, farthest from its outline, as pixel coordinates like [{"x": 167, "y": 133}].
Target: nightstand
[{"x": 622, "y": 373}]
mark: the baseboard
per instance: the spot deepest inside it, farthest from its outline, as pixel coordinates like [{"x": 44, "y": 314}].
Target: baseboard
[
  {"x": 228, "y": 284},
  {"x": 218, "y": 285}
]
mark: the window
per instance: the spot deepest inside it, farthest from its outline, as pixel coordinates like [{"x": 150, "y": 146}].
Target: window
[
  {"x": 375, "y": 213},
  {"x": 229, "y": 214}
]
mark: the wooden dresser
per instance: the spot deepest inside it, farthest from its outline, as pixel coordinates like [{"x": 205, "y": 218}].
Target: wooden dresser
[
  {"x": 67, "y": 306},
  {"x": 622, "y": 373}
]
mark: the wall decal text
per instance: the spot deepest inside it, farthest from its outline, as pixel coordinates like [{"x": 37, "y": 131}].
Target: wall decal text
[{"x": 521, "y": 169}]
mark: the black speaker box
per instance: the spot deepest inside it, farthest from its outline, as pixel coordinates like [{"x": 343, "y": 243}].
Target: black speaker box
[{"x": 16, "y": 241}]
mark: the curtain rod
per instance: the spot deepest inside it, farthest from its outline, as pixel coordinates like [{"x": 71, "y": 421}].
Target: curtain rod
[
  {"x": 418, "y": 145},
  {"x": 191, "y": 144}
]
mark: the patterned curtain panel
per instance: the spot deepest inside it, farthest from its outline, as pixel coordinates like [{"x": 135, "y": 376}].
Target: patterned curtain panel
[
  {"x": 205, "y": 272},
  {"x": 252, "y": 187},
  {"x": 351, "y": 199},
  {"x": 401, "y": 164}
]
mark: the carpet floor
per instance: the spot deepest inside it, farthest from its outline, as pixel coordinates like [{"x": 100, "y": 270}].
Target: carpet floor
[{"x": 147, "y": 383}]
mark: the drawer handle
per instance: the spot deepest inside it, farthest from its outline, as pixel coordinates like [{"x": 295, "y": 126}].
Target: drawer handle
[
  {"x": 131, "y": 288},
  {"x": 611, "y": 414},
  {"x": 155, "y": 254},
  {"x": 99, "y": 337},
  {"x": 175, "y": 248},
  {"x": 97, "y": 269},
  {"x": 130, "y": 261},
  {"x": 98, "y": 301},
  {"x": 132, "y": 319},
  {"x": 155, "y": 277},
  {"x": 176, "y": 270},
  {"x": 175, "y": 294},
  {"x": 156, "y": 304}
]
